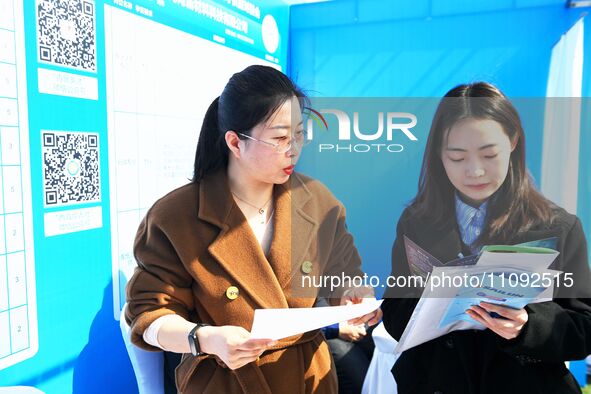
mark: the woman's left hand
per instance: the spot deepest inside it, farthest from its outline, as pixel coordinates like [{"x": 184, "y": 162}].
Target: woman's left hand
[
  {"x": 356, "y": 296},
  {"x": 508, "y": 326}
]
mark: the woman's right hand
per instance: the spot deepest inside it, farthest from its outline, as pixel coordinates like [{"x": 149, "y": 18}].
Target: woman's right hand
[
  {"x": 232, "y": 344},
  {"x": 351, "y": 332}
]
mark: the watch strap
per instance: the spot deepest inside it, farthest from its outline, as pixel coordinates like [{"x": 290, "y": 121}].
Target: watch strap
[{"x": 194, "y": 341}]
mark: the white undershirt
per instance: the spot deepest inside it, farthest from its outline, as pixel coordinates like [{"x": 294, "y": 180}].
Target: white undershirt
[{"x": 263, "y": 233}]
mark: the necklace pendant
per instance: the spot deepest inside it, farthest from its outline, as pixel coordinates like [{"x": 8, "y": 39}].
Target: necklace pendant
[{"x": 261, "y": 211}]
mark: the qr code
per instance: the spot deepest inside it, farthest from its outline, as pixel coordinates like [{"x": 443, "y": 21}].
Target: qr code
[
  {"x": 70, "y": 167},
  {"x": 66, "y": 33}
]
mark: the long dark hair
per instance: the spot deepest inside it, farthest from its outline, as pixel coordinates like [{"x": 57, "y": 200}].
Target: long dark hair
[
  {"x": 517, "y": 205},
  {"x": 249, "y": 98}
]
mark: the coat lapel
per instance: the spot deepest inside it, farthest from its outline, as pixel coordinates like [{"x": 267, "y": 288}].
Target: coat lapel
[
  {"x": 236, "y": 249},
  {"x": 444, "y": 242},
  {"x": 294, "y": 229}
]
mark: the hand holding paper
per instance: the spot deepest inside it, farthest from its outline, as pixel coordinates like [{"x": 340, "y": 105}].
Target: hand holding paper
[
  {"x": 282, "y": 323},
  {"x": 355, "y": 296},
  {"x": 508, "y": 326}
]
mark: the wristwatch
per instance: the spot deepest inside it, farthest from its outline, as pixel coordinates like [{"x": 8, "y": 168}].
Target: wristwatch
[{"x": 194, "y": 342}]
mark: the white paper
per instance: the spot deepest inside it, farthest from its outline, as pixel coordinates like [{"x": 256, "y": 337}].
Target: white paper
[{"x": 282, "y": 323}]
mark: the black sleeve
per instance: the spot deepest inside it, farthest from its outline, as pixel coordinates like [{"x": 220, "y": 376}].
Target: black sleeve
[
  {"x": 559, "y": 330},
  {"x": 331, "y": 332},
  {"x": 399, "y": 303}
]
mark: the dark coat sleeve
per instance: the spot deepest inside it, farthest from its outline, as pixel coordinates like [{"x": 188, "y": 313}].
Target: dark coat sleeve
[
  {"x": 559, "y": 330},
  {"x": 399, "y": 303}
]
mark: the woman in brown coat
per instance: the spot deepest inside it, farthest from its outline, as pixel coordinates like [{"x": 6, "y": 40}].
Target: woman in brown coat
[{"x": 244, "y": 234}]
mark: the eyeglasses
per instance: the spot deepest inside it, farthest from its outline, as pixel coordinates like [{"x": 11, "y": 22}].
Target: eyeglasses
[{"x": 298, "y": 140}]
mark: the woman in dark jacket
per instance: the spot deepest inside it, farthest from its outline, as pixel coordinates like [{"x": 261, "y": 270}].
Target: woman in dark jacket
[{"x": 475, "y": 190}]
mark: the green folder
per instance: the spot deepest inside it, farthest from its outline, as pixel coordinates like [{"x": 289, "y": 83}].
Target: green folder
[{"x": 517, "y": 249}]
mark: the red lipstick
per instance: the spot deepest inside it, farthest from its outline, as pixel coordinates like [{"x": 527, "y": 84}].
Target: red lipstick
[{"x": 479, "y": 186}]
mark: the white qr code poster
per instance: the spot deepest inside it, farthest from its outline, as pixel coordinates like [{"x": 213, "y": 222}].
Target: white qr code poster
[
  {"x": 70, "y": 168},
  {"x": 66, "y": 38},
  {"x": 18, "y": 301},
  {"x": 71, "y": 176},
  {"x": 66, "y": 33}
]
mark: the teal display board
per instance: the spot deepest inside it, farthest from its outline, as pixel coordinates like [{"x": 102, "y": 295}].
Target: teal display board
[{"x": 100, "y": 108}]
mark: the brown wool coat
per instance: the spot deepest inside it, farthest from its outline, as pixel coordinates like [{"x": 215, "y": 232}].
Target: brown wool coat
[{"x": 195, "y": 242}]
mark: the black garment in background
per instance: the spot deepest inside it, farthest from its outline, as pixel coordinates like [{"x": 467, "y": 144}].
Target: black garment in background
[
  {"x": 352, "y": 361},
  {"x": 171, "y": 360}
]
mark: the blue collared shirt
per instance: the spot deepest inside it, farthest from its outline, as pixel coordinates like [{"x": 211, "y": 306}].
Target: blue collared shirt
[{"x": 470, "y": 222}]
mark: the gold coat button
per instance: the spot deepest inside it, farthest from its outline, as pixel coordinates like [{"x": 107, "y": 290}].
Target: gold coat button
[
  {"x": 232, "y": 292},
  {"x": 307, "y": 267}
]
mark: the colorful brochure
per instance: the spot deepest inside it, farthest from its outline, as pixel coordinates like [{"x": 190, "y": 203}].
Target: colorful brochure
[{"x": 508, "y": 275}]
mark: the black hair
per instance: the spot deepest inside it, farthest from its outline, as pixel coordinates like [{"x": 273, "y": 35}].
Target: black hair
[
  {"x": 517, "y": 205},
  {"x": 249, "y": 98}
]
